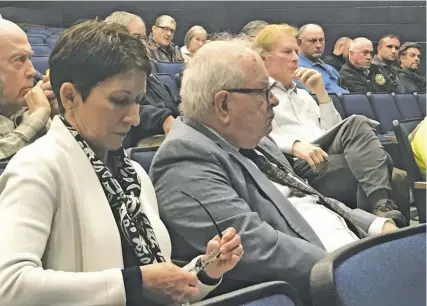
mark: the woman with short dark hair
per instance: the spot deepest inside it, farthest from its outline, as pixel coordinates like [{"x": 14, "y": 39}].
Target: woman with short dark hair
[{"x": 79, "y": 221}]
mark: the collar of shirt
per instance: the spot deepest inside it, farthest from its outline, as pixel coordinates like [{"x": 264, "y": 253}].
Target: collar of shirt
[
  {"x": 310, "y": 63},
  {"x": 272, "y": 83},
  {"x": 220, "y": 137}
]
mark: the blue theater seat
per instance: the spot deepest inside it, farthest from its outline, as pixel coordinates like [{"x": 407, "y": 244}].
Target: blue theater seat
[
  {"x": 407, "y": 105},
  {"x": 384, "y": 270},
  {"x": 385, "y": 110},
  {"x": 357, "y": 104},
  {"x": 51, "y": 42},
  {"x": 41, "y": 63},
  {"x": 265, "y": 294},
  {"x": 41, "y": 49},
  {"x": 421, "y": 98},
  {"x": 336, "y": 99},
  {"x": 143, "y": 156},
  {"x": 170, "y": 68},
  {"x": 36, "y": 39}
]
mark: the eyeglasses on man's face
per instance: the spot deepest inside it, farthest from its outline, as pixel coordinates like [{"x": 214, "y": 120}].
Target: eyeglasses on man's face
[
  {"x": 167, "y": 29},
  {"x": 267, "y": 91}
]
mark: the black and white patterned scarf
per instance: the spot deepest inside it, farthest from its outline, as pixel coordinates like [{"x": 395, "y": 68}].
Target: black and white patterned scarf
[{"x": 122, "y": 192}]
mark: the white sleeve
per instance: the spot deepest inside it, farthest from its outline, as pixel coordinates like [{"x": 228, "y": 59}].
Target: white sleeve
[
  {"x": 203, "y": 289},
  {"x": 28, "y": 204},
  {"x": 329, "y": 116}
]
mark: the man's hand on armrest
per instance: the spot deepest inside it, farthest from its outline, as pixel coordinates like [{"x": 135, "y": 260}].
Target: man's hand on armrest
[{"x": 168, "y": 123}]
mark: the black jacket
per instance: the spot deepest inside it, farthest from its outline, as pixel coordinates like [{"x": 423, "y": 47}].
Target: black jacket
[
  {"x": 412, "y": 81},
  {"x": 376, "y": 79},
  {"x": 336, "y": 61},
  {"x": 160, "y": 103}
]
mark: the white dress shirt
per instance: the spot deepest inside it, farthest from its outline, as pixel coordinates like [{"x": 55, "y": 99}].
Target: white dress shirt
[{"x": 298, "y": 117}]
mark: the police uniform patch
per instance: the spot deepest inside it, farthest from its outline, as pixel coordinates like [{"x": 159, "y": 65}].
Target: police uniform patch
[{"x": 379, "y": 79}]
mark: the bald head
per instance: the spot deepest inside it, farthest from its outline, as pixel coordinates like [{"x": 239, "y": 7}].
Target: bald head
[
  {"x": 16, "y": 69},
  {"x": 311, "y": 40},
  {"x": 342, "y": 46},
  {"x": 361, "y": 52}
]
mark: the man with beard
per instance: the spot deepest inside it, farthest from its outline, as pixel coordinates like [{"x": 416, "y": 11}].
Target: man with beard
[{"x": 409, "y": 55}]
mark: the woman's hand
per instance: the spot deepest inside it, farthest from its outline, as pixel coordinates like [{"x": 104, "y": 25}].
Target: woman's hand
[
  {"x": 167, "y": 283},
  {"x": 231, "y": 251}
]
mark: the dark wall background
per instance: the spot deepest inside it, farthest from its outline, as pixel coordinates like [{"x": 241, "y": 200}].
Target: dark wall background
[{"x": 338, "y": 18}]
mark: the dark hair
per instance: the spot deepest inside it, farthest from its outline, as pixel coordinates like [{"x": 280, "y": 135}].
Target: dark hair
[
  {"x": 404, "y": 48},
  {"x": 391, "y": 36},
  {"x": 92, "y": 51}
]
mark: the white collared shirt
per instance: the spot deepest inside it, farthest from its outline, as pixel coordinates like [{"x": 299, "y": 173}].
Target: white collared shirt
[{"x": 298, "y": 117}]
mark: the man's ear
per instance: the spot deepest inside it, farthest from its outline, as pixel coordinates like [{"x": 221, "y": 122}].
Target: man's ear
[
  {"x": 70, "y": 97},
  {"x": 222, "y": 99},
  {"x": 299, "y": 41}
]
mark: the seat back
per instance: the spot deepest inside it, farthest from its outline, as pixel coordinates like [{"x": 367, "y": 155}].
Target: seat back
[
  {"x": 41, "y": 49},
  {"x": 265, "y": 294},
  {"x": 407, "y": 105},
  {"x": 380, "y": 270},
  {"x": 168, "y": 80},
  {"x": 51, "y": 42},
  {"x": 385, "y": 110},
  {"x": 421, "y": 98},
  {"x": 171, "y": 68},
  {"x": 336, "y": 99},
  {"x": 357, "y": 104},
  {"x": 143, "y": 156},
  {"x": 36, "y": 39},
  {"x": 41, "y": 63}
]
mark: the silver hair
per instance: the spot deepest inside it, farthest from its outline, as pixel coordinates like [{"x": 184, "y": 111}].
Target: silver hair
[
  {"x": 357, "y": 43},
  {"x": 216, "y": 66},
  {"x": 122, "y": 17},
  {"x": 253, "y": 27},
  {"x": 163, "y": 18},
  {"x": 191, "y": 32},
  {"x": 302, "y": 30}
]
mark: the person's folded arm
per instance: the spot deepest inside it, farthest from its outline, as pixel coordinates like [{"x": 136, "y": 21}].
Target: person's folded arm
[{"x": 28, "y": 203}]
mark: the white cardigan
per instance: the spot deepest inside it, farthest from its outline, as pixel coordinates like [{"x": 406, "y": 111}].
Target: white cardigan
[{"x": 59, "y": 242}]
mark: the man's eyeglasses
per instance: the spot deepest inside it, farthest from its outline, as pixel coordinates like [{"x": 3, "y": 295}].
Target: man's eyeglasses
[
  {"x": 267, "y": 91},
  {"x": 167, "y": 29}
]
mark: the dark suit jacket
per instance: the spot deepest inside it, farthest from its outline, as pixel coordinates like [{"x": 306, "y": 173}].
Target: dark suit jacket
[{"x": 279, "y": 244}]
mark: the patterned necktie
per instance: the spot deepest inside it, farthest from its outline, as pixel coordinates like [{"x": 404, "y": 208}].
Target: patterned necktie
[{"x": 281, "y": 175}]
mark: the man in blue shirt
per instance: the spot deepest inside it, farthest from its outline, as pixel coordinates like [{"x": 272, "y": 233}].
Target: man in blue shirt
[{"x": 311, "y": 40}]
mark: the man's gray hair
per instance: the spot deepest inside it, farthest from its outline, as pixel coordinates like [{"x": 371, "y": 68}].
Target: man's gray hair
[
  {"x": 122, "y": 17},
  {"x": 162, "y": 19},
  {"x": 216, "y": 66},
  {"x": 357, "y": 43},
  {"x": 252, "y": 28}
]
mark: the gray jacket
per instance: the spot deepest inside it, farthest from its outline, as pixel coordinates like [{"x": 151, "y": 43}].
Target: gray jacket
[{"x": 279, "y": 244}]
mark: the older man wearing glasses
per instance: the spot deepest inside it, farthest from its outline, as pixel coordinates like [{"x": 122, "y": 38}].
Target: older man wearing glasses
[
  {"x": 160, "y": 42},
  {"x": 219, "y": 154}
]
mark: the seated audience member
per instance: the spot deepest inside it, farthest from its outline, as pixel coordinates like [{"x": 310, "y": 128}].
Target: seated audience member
[
  {"x": 157, "y": 112},
  {"x": 79, "y": 221},
  {"x": 252, "y": 28},
  {"x": 410, "y": 77},
  {"x": 299, "y": 120},
  {"x": 311, "y": 41},
  {"x": 386, "y": 65},
  {"x": 419, "y": 147},
  {"x": 24, "y": 109},
  {"x": 160, "y": 43},
  {"x": 340, "y": 54},
  {"x": 132, "y": 22},
  {"x": 194, "y": 39},
  {"x": 160, "y": 104},
  {"x": 220, "y": 154}
]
